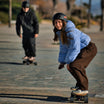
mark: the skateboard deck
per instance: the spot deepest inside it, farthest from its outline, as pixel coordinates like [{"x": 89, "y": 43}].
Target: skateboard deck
[
  {"x": 78, "y": 98},
  {"x": 28, "y": 62}
]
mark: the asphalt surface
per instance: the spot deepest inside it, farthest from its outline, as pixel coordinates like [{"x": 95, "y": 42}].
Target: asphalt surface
[{"x": 44, "y": 83}]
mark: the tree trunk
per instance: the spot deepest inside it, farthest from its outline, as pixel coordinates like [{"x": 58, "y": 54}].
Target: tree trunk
[
  {"x": 102, "y": 15},
  {"x": 69, "y": 5},
  {"x": 89, "y": 14},
  {"x": 10, "y": 12},
  {"x": 54, "y": 5},
  {"x": 81, "y": 10}
]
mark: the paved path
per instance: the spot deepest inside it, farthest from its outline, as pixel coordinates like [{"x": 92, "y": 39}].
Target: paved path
[{"x": 44, "y": 83}]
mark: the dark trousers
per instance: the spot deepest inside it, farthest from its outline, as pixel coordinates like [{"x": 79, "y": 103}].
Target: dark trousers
[
  {"x": 77, "y": 68},
  {"x": 29, "y": 47}
]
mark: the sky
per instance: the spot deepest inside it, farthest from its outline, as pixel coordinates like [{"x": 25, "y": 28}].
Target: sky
[{"x": 95, "y": 9}]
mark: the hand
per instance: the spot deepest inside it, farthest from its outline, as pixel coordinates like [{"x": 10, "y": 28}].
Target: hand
[
  {"x": 20, "y": 35},
  {"x": 68, "y": 67},
  {"x": 36, "y": 35},
  {"x": 61, "y": 66}
]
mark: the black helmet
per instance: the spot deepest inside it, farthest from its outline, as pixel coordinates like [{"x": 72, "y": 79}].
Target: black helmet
[
  {"x": 25, "y": 4},
  {"x": 59, "y": 16}
]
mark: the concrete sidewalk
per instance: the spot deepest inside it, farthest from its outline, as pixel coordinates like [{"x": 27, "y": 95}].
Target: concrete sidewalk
[{"x": 44, "y": 83}]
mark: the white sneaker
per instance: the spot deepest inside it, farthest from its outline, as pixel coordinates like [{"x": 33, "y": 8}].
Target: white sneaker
[
  {"x": 80, "y": 92},
  {"x": 25, "y": 57},
  {"x": 32, "y": 58},
  {"x": 74, "y": 88}
]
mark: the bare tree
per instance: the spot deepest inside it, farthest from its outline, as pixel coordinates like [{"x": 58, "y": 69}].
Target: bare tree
[
  {"x": 69, "y": 5},
  {"x": 89, "y": 14},
  {"x": 81, "y": 10},
  {"x": 10, "y": 12},
  {"x": 55, "y": 2},
  {"x": 102, "y": 15},
  {"x": 54, "y": 5}
]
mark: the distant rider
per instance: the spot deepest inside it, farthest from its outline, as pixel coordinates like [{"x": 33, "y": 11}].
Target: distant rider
[{"x": 28, "y": 20}]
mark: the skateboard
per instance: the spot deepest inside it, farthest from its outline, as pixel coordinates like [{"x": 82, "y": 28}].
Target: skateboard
[
  {"x": 28, "y": 62},
  {"x": 78, "y": 98}
]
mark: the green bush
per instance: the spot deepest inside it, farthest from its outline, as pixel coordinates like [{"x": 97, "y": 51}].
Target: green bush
[
  {"x": 4, "y": 8},
  {"x": 4, "y": 11},
  {"x": 3, "y": 17},
  {"x": 38, "y": 16},
  {"x": 77, "y": 22},
  {"x": 16, "y": 7},
  {"x": 15, "y": 11}
]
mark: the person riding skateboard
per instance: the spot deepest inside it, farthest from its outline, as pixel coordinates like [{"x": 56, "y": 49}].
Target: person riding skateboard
[
  {"x": 76, "y": 50},
  {"x": 28, "y": 20}
]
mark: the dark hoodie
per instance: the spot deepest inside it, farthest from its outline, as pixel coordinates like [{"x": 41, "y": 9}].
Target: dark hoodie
[{"x": 29, "y": 23}]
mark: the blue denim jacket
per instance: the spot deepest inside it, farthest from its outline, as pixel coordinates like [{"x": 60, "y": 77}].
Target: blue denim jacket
[{"x": 77, "y": 40}]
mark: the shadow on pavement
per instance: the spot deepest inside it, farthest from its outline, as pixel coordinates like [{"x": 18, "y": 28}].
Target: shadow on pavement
[
  {"x": 36, "y": 97},
  {"x": 13, "y": 63}
]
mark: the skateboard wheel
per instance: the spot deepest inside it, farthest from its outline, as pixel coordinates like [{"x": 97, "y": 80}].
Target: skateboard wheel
[
  {"x": 86, "y": 99},
  {"x": 71, "y": 100},
  {"x": 35, "y": 63},
  {"x": 27, "y": 63},
  {"x": 24, "y": 62}
]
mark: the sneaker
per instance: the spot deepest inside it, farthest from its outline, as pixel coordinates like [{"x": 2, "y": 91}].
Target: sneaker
[
  {"x": 80, "y": 92},
  {"x": 25, "y": 57},
  {"x": 31, "y": 58},
  {"x": 74, "y": 88}
]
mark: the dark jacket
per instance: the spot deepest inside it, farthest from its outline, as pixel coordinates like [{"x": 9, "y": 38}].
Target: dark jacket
[{"x": 29, "y": 23}]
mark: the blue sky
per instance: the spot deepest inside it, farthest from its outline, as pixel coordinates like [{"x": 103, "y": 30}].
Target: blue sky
[{"x": 95, "y": 10}]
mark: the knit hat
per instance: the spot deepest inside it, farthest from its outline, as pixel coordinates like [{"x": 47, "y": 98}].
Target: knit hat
[{"x": 25, "y": 4}]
